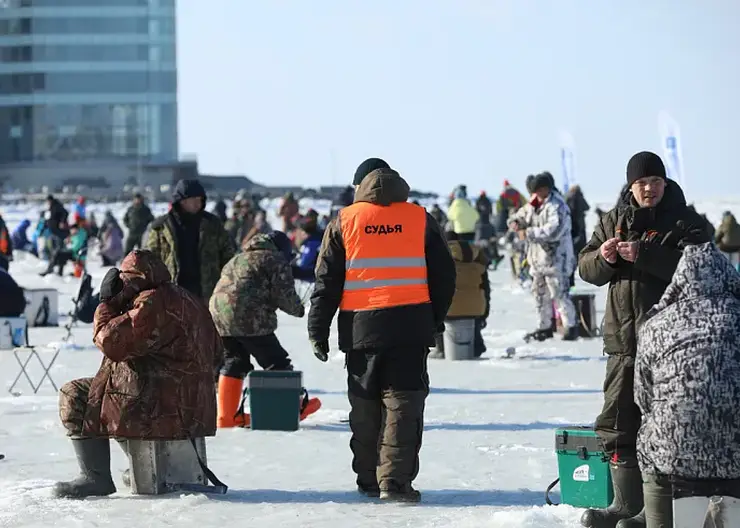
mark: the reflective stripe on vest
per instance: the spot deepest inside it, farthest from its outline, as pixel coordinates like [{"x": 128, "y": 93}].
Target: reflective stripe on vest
[{"x": 385, "y": 263}]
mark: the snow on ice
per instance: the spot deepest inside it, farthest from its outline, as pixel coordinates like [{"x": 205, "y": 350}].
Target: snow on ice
[{"x": 488, "y": 443}]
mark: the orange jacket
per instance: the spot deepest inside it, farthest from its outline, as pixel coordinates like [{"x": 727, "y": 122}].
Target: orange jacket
[{"x": 385, "y": 256}]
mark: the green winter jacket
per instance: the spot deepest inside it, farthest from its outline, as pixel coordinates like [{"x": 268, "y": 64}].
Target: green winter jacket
[
  {"x": 137, "y": 218},
  {"x": 728, "y": 235},
  {"x": 634, "y": 287},
  {"x": 216, "y": 248},
  {"x": 77, "y": 243}
]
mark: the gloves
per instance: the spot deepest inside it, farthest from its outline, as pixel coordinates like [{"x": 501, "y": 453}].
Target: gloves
[
  {"x": 111, "y": 286},
  {"x": 321, "y": 350}
]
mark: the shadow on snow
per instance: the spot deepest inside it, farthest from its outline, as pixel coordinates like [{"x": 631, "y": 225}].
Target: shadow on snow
[
  {"x": 451, "y": 426},
  {"x": 441, "y": 498},
  {"x": 502, "y": 392}
]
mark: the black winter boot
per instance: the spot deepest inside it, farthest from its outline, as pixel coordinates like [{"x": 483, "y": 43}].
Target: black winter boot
[
  {"x": 638, "y": 521},
  {"x": 392, "y": 492},
  {"x": 571, "y": 334},
  {"x": 628, "y": 501},
  {"x": 368, "y": 490},
  {"x": 93, "y": 457}
]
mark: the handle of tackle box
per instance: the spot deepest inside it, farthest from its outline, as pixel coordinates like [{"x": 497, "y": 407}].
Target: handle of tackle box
[{"x": 548, "y": 490}]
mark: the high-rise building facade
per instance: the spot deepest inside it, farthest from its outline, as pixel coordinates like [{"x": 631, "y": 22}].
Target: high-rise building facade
[{"x": 87, "y": 80}]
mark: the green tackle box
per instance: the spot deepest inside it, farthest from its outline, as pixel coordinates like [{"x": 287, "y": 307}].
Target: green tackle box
[
  {"x": 583, "y": 468},
  {"x": 275, "y": 399}
]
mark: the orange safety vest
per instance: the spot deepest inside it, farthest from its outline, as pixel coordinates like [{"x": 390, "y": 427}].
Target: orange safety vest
[{"x": 385, "y": 263}]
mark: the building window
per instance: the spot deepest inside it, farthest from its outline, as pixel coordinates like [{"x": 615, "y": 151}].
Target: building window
[
  {"x": 90, "y": 26},
  {"x": 89, "y": 82}
]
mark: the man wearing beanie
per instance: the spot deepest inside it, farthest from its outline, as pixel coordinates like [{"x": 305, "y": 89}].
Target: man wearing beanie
[
  {"x": 635, "y": 249},
  {"x": 385, "y": 266},
  {"x": 545, "y": 224},
  {"x": 191, "y": 242}
]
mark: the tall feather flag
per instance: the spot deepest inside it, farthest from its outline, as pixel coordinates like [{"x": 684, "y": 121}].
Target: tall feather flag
[
  {"x": 567, "y": 159},
  {"x": 670, "y": 141}
]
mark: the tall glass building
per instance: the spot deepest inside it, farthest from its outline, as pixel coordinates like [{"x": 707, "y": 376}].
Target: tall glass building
[{"x": 87, "y": 80}]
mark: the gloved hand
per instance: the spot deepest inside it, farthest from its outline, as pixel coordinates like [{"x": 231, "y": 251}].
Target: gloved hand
[
  {"x": 111, "y": 285},
  {"x": 321, "y": 350}
]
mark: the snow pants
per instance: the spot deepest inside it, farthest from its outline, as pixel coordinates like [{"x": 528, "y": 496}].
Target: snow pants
[
  {"x": 73, "y": 398},
  {"x": 387, "y": 390},
  {"x": 620, "y": 417},
  {"x": 266, "y": 350},
  {"x": 549, "y": 288}
]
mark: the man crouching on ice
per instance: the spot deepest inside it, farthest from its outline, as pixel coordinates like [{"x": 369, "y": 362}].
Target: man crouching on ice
[{"x": 156, "y": 379}]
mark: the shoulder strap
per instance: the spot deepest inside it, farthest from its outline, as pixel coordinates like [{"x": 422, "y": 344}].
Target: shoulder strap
[{"x": 218, "y": 486}]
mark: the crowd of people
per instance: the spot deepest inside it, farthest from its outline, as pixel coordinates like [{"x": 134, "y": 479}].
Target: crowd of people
[{"x": 202, "y": 289}]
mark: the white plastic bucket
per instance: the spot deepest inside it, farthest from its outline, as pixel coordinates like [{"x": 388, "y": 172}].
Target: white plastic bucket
[{"x": 459, "y": 339}]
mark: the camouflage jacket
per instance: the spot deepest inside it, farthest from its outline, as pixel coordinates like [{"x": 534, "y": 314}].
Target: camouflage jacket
[
  {"x": 253, "y": 285},
  {"x": 160, "y": 349},
  {"x": 216, "y": 248}
]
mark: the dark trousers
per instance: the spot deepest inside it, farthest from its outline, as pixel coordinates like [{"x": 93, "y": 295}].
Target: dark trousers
[
  {"x": 59, "y": 259},
  {"x": 266, "y": 350},
  {"x": 387, "y": 390},
  {"x": 620, "y": 417},
  {"x": 133, "y": 241}
]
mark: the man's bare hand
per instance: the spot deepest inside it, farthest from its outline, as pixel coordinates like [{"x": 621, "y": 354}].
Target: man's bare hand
[
  {"x": 609, "y": 250},
  {"x": 628, "y": 250}
]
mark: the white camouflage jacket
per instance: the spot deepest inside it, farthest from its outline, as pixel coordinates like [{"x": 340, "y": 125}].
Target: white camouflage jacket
[
  {"x": 687, "y": 372},
  {"x": 550, "y": 245}
]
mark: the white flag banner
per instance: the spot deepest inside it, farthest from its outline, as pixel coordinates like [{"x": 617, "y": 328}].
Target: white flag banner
[
  {"x": 567, "y": 159},
  {"x": 670, "y": 141}
]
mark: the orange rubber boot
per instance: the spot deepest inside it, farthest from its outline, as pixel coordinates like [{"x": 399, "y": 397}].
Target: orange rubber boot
[{"x": 229, "y": 396}]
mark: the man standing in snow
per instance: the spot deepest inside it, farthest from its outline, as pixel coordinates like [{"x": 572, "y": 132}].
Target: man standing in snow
[
  {"x": 191, "y": 242},
  {"x": 545, "y": 225},
  {"x": 635, "y": 249},
  {"x": 137, "y": 219},
  {"x": 385, "y": 265}
]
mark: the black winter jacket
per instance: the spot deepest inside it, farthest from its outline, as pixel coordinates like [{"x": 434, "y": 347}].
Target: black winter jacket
[
  {"x": 634, "y": 288},
  {"x": 396, "y": 327}
]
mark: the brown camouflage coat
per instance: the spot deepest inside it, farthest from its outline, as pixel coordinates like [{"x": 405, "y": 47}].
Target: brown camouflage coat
[
  {"x": 160, "y": 347},
  {"x": 253, "y": 286}
]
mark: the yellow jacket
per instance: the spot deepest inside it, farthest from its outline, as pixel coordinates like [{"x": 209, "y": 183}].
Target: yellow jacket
[{"x": 462, "y": 216}]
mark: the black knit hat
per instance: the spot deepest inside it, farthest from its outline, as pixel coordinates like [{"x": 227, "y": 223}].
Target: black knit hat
[
  {"x": 542, "y": 180},
  {"x": 644, "y": 164},
  {"x": 529, "y": 183},
  {"x": 368, "y": 166}
]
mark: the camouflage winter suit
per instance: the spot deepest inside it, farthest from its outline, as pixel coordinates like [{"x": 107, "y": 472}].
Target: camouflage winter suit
[
  {"x": 550, "y": 257},
  {"x": 215, "y": 248},
  {"x": 159, "y": 348},
  {"x": 253, "y": 286}
]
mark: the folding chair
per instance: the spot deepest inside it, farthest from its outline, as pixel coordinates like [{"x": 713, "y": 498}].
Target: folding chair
[{"x": 21, "y": 343}]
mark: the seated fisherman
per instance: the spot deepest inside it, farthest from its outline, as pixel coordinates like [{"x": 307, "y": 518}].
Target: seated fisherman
[
  {"x": 159, "y": 348},
  {"x": 688, "y": 389}
]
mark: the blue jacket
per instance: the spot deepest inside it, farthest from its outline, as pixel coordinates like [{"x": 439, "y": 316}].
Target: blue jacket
[
  {"x": 19, "y": 237},
  {"x": 303, "y": 268}
]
